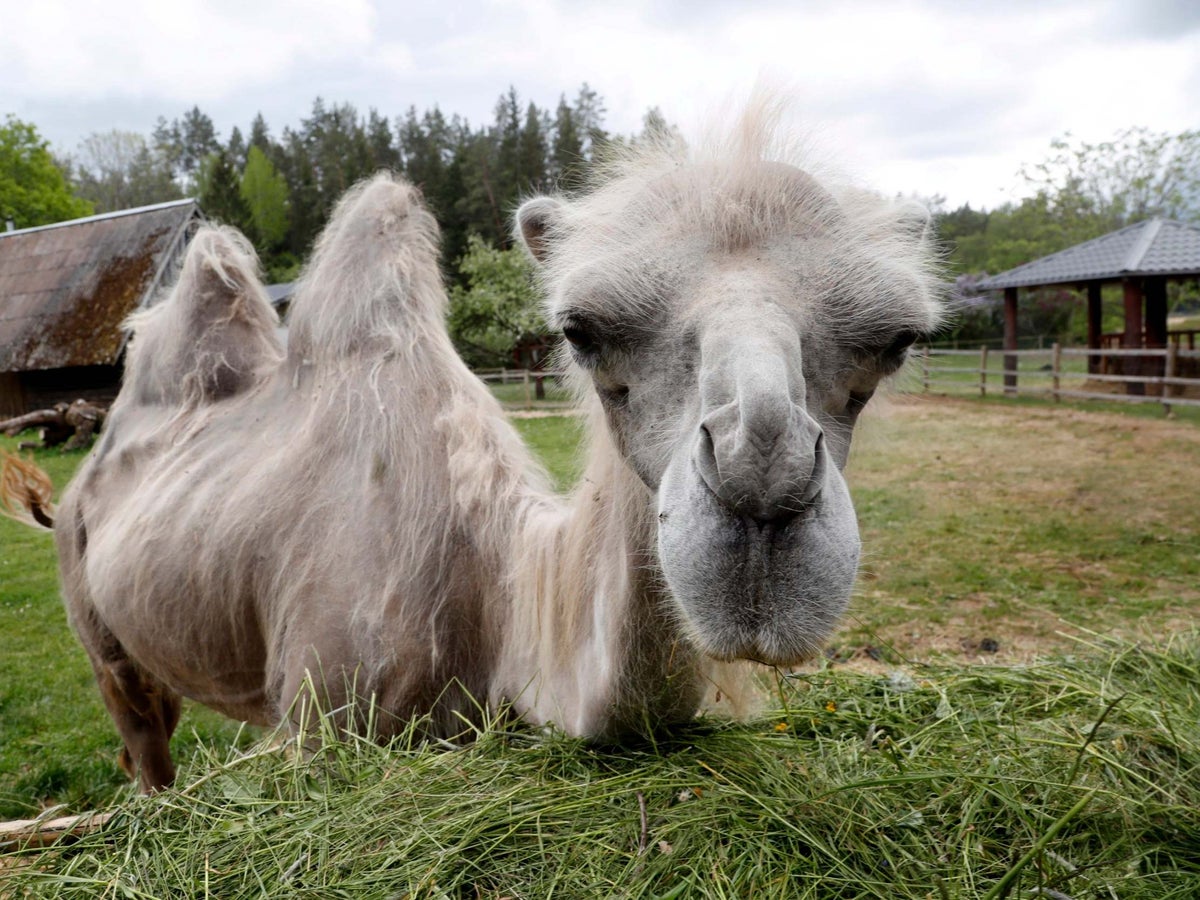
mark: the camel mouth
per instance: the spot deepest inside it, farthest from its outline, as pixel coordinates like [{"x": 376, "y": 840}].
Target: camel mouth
[
  {"x": 756, "y": 652},
  {"x": 766, "y": 590},
  {"x": 775, "y": 632}
]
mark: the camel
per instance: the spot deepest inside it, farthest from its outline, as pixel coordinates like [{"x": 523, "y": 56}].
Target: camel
[{"x": 268, "y": 531}]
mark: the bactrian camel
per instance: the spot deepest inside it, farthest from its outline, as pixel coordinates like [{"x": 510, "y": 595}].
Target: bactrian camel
[{"x": 261, "y": 529}]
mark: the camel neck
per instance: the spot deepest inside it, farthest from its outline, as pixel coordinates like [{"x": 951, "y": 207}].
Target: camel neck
[{"x": 593, "y": 644}]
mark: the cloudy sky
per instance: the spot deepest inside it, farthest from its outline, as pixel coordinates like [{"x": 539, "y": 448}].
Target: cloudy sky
[{"x": 912, "y": 96}]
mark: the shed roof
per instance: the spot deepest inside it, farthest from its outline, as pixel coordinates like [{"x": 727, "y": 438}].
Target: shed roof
[
  {"x": 66, "y": 288},
  {"x": 1152, "y": 247}
]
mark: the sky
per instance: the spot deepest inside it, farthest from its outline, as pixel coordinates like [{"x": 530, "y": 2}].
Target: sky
[{"x": 914, "y": 97}]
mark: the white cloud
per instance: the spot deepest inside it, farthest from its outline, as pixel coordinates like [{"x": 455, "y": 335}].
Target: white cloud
[
  {"x": 181, "y": 51},
  {"x": 929, "y": 96}
]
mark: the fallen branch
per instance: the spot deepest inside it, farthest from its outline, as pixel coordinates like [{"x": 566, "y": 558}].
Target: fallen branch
[{"x": 41, "y": 832}]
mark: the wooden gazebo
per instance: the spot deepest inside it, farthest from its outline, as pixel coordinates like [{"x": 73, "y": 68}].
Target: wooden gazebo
[{"x": 1142, "y": 257}]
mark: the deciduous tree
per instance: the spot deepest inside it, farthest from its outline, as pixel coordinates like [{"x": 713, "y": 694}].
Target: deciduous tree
[
  {"x": 121, "y": 170},
  {"x": 33, "y": 189},
  {"x": 265, "y": 195},
  {"x": 496, "y": 308}
]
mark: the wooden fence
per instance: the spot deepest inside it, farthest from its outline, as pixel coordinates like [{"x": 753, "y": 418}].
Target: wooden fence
[
  {"x": 529, "y": 391},
  {"x": 1148, "y": 375}
]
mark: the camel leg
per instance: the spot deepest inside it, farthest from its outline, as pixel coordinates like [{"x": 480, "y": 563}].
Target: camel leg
[
  {"x": 144, "y": 710},
  {"x": 145, "y": 713}
]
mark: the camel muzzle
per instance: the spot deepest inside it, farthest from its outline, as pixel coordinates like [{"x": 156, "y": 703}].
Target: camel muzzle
[{"x": 759, "y": 464}]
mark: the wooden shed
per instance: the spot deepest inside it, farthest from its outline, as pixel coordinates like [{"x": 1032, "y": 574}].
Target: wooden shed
[{"x": 66, "y": 288}]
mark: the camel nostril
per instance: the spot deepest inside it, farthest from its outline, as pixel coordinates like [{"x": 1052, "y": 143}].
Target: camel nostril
[
  {"x": 817, "y": 477},
  {"x": 763, "y": 488}
]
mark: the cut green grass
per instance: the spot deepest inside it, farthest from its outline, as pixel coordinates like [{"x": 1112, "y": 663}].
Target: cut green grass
[
  {"x": 1080, "y": 777},
  {"x": 1015, "y": 521}
]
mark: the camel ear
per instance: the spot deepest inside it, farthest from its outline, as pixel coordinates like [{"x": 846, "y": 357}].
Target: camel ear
[{"x": 536, "y": 220}]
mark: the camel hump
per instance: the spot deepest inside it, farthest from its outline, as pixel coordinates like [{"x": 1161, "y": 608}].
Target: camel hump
[
  {"x": 374, "y": 274},
  {"x": 213, "y": 336}
]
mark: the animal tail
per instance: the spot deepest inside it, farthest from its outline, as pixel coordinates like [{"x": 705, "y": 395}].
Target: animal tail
[{"x": 25, "y": 492}]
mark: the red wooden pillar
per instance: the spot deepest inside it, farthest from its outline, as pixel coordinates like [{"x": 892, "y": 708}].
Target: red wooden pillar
[
  {"x": 1010, "y": 340},
  {"x": 1132, "y": 338},
  {"x": 1156, "y": 324},
  {"x": 1094, "y": 324},
  {"x": 1156, "y": 312}
]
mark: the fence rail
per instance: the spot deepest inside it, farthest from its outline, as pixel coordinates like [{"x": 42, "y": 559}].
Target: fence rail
[
  {"x": 1169, "y": 376},
  {"x": 531, "y": 394}
]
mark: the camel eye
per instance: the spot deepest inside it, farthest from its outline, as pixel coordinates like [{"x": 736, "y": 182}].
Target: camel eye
[
  {"x": 900, "y": 344},
  {"x": 581, "y": 338},
  {"x": 892, "y": 356}
]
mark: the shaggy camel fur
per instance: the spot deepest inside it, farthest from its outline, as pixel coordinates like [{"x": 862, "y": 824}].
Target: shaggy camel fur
[{"x": 261, "y": 530}]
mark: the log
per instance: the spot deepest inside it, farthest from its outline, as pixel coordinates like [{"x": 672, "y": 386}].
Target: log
[
  {"x": 14, "y": 426},
  {"x": 73, "y": 424},
  {"x": 42, "y": 832}
]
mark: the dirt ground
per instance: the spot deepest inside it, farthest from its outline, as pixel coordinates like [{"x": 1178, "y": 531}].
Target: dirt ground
[{"x": 997, "y": 532}]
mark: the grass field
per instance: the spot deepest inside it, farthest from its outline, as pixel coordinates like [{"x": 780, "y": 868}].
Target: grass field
[{"x": 1014, "y": 706}]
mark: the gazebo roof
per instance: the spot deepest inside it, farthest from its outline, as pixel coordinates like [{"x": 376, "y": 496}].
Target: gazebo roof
[{"x": 1153, "y": 247}]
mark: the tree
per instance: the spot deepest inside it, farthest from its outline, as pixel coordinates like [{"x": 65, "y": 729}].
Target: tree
[
  {"x": 532, "y": 150},
  {"x": 497, "y": 307},
  {"x": 338, "y": 150},
  {"x": 567, "y": 162},
  {"x": 236, "y": 148},
  {"x": 33, "y": 189},
  {"x": 187, "y": 143},
  {"x": 120, "y": 170},
  {"x": 589, "y": 113},
  {"x": 380, "y": 143},
  {"x": 265, "y": 195},
  {"x": 218, "y": 191},
  {"x": 260, "y": 135},
  {"x": 1137, "y": 175}
]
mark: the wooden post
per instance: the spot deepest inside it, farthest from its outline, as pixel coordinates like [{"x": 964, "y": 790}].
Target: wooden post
[
  {"x": 1169, "y": 372},
  {"x": 1156, "y": 312},
  {"x": 528, "y": 395},
  {"x": 1156, "y": 323},
  {"x": 983, "y": 355},
  {"x": 1132, "y": 336},
  {"x": 1094, "y": 324},
  {"x": 1010, "y": 340},
  {"x": 1055, "y": 369},
  {"x": 925, "y": 367}
]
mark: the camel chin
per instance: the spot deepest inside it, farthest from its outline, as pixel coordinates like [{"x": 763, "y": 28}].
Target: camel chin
[{"x": 766, "y": 591}]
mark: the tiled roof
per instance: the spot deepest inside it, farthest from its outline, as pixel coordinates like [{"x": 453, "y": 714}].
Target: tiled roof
[
  {"x": 1153, "y": 247},
  {"x": 66, "y": 288}
]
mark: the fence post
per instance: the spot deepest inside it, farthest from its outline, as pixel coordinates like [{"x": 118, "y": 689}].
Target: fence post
[
  {"x": 925, "y": 367},
  {"x": 1055, "y": 369},
  {"x": 525, "y": 381},
  {"x": 1169, "y": 373},
  {"x": 504, "y": 376},
  {"x": 983, "y": 356}
]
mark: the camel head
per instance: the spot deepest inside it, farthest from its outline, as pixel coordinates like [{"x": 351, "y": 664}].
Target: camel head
[{"x": 734, "y": 318}]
